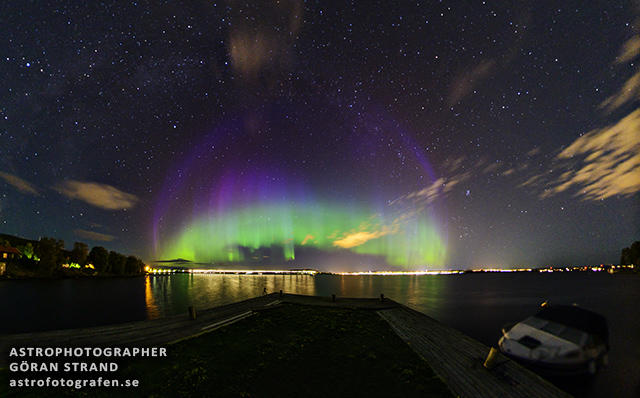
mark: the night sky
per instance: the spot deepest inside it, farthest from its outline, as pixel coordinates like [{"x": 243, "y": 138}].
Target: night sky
[{"x": 334, "y": 135}]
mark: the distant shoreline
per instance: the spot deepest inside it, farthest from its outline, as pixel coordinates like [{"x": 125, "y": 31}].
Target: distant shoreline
[
  {"x": 161, "y": 270},
  {"x": 21, "y": 275},
  {"x": 16, "y": 273}
]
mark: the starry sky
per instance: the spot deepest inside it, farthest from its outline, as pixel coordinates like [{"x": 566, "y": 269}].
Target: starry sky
[{"x": 334, "y": 135}]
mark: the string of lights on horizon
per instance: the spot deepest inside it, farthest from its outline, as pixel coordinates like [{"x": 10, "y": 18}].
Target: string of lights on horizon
[{"x": 311, "y": 272}]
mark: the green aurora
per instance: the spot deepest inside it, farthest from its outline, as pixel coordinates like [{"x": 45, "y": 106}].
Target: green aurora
[{"x": 242, "y": 235}]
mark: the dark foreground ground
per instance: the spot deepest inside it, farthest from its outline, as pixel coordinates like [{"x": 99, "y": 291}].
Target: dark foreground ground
[{"x": 287, "y": 351}]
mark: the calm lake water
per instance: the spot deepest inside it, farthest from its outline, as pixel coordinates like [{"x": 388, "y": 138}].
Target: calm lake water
[{"x": 477, "y": 304}]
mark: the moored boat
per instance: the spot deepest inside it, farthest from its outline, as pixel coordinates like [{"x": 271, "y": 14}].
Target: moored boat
[{"x": 559, "y": 339}]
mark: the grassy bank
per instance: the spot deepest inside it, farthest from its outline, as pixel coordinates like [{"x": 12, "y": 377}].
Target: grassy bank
[{"x": 291, "y": 350}]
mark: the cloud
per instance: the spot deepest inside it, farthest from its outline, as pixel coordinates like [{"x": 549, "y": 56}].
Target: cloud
[
  {"x": 354, "y": 239},
  {"x": 413, "y": 203},
  {"x": 535, "y": 151},
  {"x": 429, "y": 193},
  {"x": 630, "y": 50},
  {"x": 249, "y": 52},
  {"x": 20, "y": 184},
  {"x": 405, "y": 208},
  {"x": 261, "y": 43},
  {"x": 464, "y": 83},
  {"x": 451, "y": 164},
  {"x": 96, "y": 236},
  {"x": 438, "y": 188},
  {"x": 608, "y": 162},
  {"x": 532, "y": 181},
  {"x": 410, "y": 206},
  {"x": 307, "y": 239},
  {"x": 630, "y": 91},
  {"x": 491, "y": 168},
  {"x": 604, "y": 162},
  {"x": 99, "y": 195}
]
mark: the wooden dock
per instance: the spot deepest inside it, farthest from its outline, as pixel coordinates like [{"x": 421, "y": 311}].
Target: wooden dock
[
  {"x": 458, "y": 359},
  {"x": 453, "y": 356},
  {"x": 170, "y": 329},
  {"x": 139, "y": 333}
]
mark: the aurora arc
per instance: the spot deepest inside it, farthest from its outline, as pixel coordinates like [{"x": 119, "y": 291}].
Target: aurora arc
[
  {"x": 221, "y": 210},
  {"x": 241, "y": 235}
]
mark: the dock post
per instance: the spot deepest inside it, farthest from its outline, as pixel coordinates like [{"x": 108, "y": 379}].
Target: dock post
[
  {"x": 192, "y": 312},
  {"x": 280, "y": 292},
  {"x": 333, "y": 298},
  {"x": 492, "y": 358},
  {"x": 381, "y": 296}
]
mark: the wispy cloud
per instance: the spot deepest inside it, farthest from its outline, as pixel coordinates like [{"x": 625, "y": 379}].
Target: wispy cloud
[
  {"x": 508, "y": 172},
  {"x": 533, "y": 152},
  {"x": 96, "y": 236},
  {"x": 630, "y": 91},
  {"x": 608, "y": 162},
  {"x": 357, "y": 238},
  {"x": 630, "y": 50},
  {"x": 307, "y": 239},
  {"x": 604, "y": 162},
  {"x": 492, "y": 167},
  {"x": 249, "y": 51},
  {"x": 20, "y": 184},
  {"x": 99, "y": 195},
  {"x": 405, "y": 209},
  {"x": 455, "y": 170},
  {"x": 464, "y": 83},
  {"x": 438, "y": 188},
  {"x": 531, "y": 181},
  {"x": 256, "y": 47}
]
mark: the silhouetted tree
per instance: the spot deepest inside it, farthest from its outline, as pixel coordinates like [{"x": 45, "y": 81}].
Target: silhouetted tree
[
  {"x": 624, "y": 257},
  {"x": 141, "y": 266},
  {"x": 631, "y": 255},
  {"x": 99, "y": 257},
  {"x": 117, "y": 263},
  {"x": 51, "y": 256},
  {"x": 79, "y": 253},
  {"x": 131, "y": 265}
]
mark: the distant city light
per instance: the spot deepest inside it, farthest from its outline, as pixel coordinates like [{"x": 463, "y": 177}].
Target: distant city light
[
  {"x": 425, "y": 272},
  {"x": 600, "y": 268}
]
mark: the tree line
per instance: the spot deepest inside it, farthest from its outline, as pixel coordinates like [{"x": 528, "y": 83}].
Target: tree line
[
  {"x": 48, "y": 257},
  {"x": 631, "y": 255}
]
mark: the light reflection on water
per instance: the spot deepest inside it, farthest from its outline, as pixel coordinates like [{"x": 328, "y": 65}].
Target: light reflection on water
[
  {"x": 476, "y": 304},
  {"x": 169, "y": 295},
  {"x": 152, "y": 309}
]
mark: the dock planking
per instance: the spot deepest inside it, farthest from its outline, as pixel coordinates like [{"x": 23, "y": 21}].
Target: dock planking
[
  {"x": 142, "y": 333},
  {"x": 455, "y": 357},
  {"x": 458, "y": 359},
  {"x": 169, "y": 329}
]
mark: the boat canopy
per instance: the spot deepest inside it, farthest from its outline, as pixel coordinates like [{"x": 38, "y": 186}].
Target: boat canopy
[{"x": 577, "y": 318}]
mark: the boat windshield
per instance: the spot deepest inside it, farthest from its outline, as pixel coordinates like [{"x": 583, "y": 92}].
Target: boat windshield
[{"x": 557, "y": 329}]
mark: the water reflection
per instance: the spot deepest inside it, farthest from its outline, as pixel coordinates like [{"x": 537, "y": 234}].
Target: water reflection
[
  {"x": 152, "y": 307},
  {"x": 476, "y": 304},
  {"x": 423, "y": 292},
  {"x": 179, "y": 291}
]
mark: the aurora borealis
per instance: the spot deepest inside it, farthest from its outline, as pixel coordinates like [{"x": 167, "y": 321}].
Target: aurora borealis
[
  {"x": 243, "y": 214},
  {"x": 337, "y": 136},
  {"x": 285, "y": 229}
]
